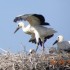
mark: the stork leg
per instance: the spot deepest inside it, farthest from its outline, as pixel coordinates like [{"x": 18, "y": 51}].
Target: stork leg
[
  {"x": 43, "y": 46},
  {"x": 37, "y": 46}
]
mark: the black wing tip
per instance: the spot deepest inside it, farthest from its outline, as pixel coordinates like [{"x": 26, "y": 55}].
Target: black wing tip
[
  {"x": 67, "y": 50},
  {"x": 38, "y": 15},
  {"x": 41, "y": 18},
  {"x": 46, "y": 23},
  {"x": 48, "y": 37},
  {"x": 17, "y": 19},
  {"x": 32, "y": 40}
]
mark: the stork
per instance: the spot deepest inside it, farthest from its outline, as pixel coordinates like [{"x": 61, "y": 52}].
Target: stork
[
  {"x": 62, "y": 45},
  {"x": 40, "y": 32},
  {"x": 37, "y": 19}
]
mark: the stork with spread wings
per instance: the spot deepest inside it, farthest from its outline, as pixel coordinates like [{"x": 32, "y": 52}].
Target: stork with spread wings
[{"x": 39, "y": 33}]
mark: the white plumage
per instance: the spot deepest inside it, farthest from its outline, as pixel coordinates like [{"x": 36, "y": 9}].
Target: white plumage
[
  {"x": 26, "y": 29},
  {"x": 62, "y": 45}
]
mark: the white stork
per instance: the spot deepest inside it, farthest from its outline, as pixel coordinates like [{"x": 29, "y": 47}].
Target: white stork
[
  {"x": 62, "y": 45},
  {"x": 40, "y": 32},
  {"x": 37, "y": 18}
]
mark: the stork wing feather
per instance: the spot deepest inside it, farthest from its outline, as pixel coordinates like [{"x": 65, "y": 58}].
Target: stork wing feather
[
  {"x": 33, "y": 19},
  {"x": 32, "y": 39},
  {"x": 66, "y": 43}
]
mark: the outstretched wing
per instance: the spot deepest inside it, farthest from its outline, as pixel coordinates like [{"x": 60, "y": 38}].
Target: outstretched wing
[
  {"x": 33, "y": 19},
  {"x": 33, "y": 39}
]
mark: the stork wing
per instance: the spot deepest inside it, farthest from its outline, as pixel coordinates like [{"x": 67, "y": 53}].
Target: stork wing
[
  {"x": 33, "y": 19},
  {"x": 32, "y": 39},
  {"x": 66, "y": 43},
  {"x": 67, "y": 50}
]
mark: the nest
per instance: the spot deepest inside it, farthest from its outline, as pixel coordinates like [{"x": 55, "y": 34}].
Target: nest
[{"x": 34, "y": 61}]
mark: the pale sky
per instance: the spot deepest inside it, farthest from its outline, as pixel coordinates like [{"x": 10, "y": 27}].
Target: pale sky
[{"x": 56, "y": 12}]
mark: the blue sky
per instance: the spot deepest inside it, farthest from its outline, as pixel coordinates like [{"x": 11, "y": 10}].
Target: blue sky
[{"x": 56, "y": 12}]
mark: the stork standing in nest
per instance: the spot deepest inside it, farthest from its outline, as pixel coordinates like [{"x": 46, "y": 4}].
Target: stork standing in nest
[{"x": 62, "y": 45}]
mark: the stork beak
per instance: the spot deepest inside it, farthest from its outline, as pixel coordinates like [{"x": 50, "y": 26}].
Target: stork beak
[
  {"x": 55, "y": 42},
  {"x": 16, "y": 29}
]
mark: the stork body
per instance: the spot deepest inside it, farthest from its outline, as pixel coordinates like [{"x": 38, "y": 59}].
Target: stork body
[
  {"x": 62, "y": 45},
  {"x": 41, "y": 33}
]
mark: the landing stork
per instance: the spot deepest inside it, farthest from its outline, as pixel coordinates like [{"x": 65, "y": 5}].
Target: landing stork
[{"x": 40, "y": 32}]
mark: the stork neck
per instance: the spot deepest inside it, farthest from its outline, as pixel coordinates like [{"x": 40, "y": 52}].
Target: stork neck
[
  {"x": 24, "y": 28},
  {"x": 60, "y": 40}
]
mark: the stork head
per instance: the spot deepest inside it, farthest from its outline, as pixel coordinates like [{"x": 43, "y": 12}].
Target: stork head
[
  {"x": 59, "y": 39},
  {"x": 20, "y": 25}
]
